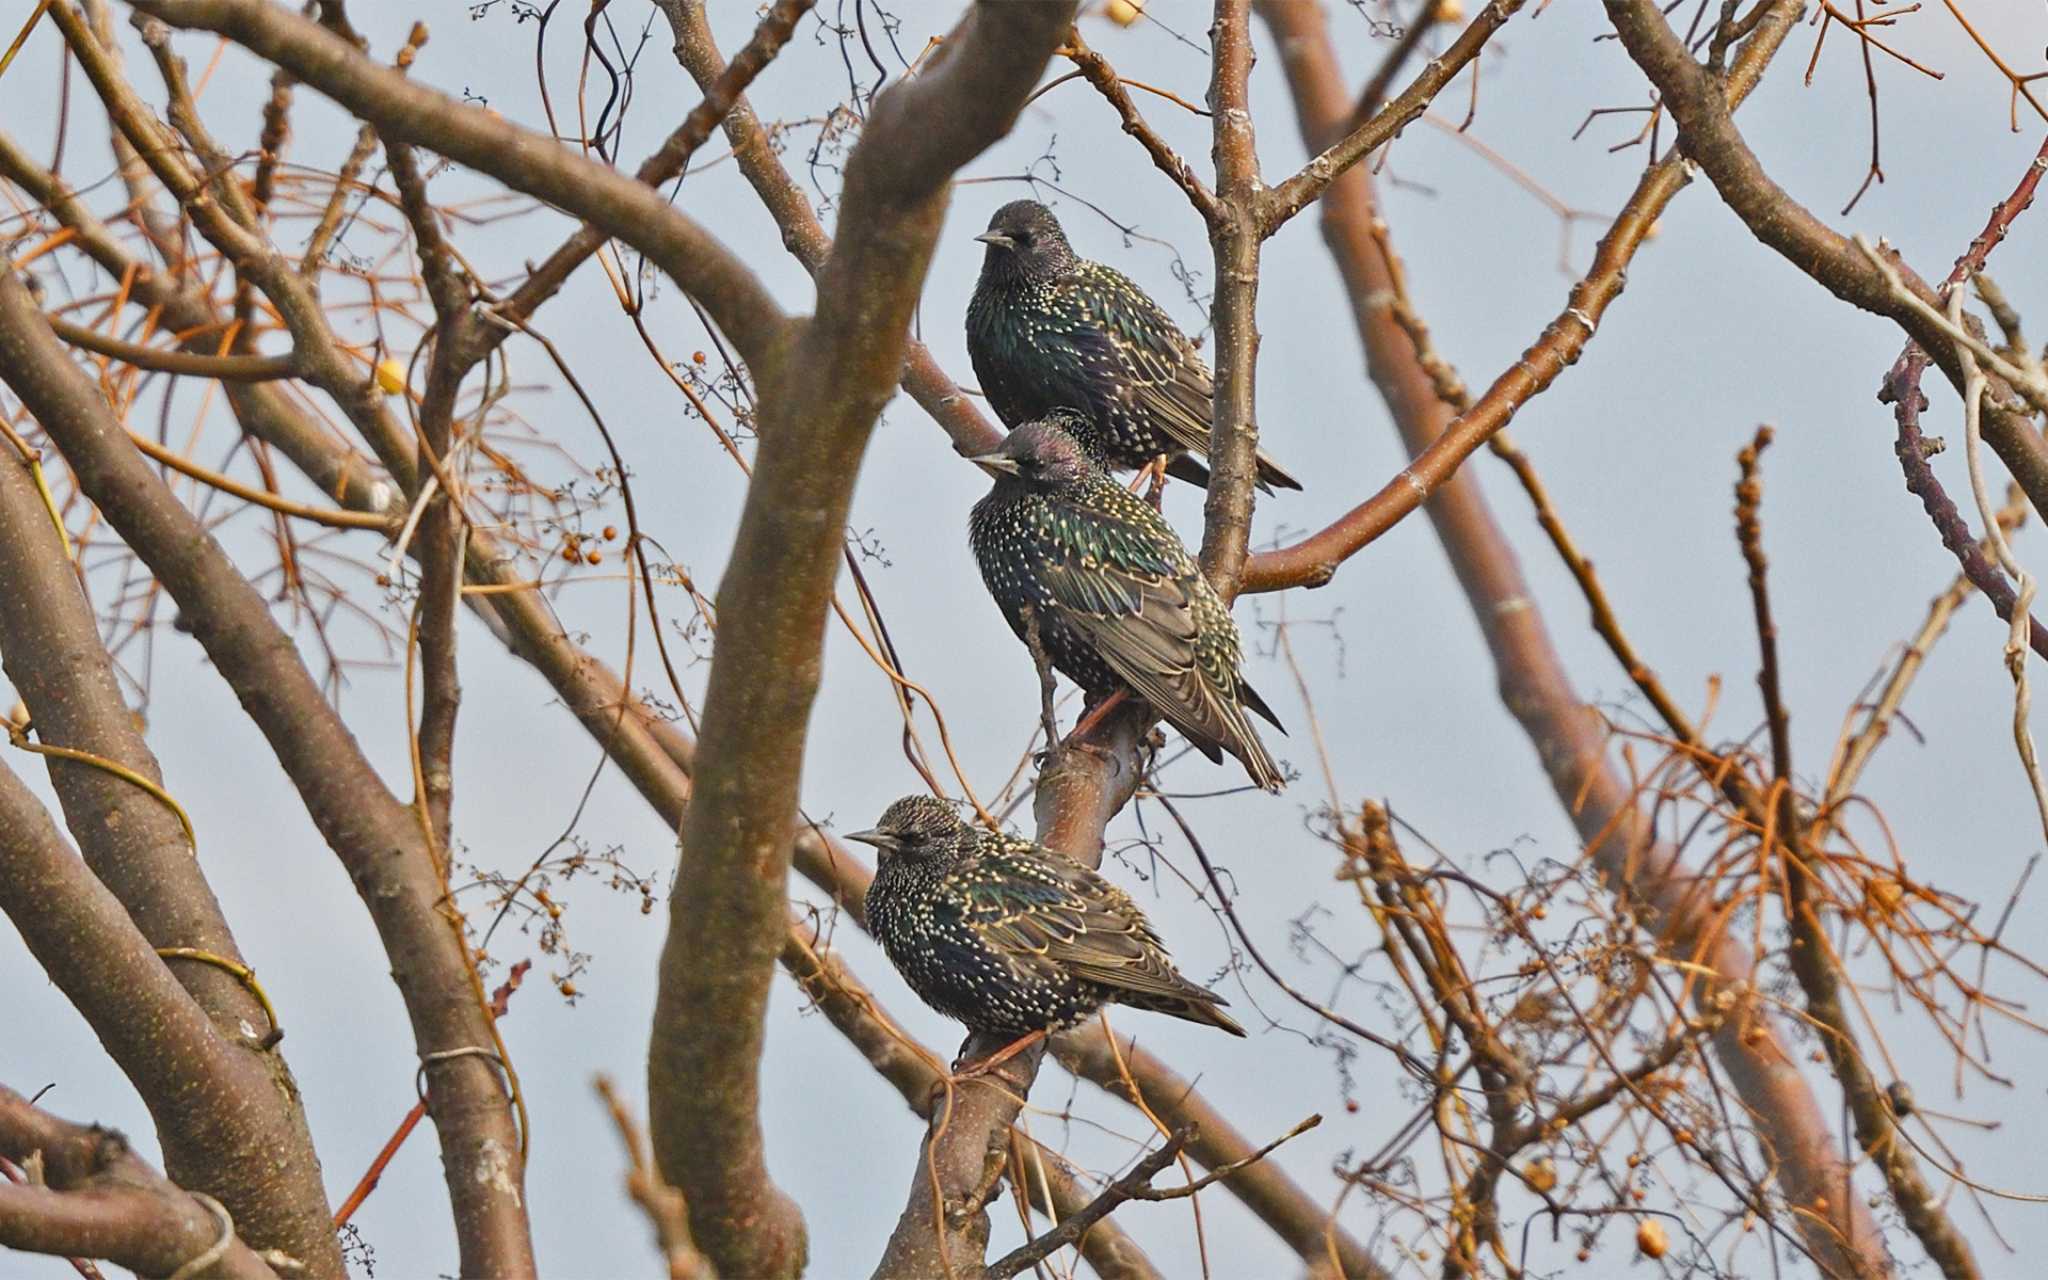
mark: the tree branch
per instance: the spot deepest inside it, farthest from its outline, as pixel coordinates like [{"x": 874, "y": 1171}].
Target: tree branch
[
  {"x": 1235, "y": 237},
  {"x": 1314, "y": 560},
  {"x": 1265, "y": 1188},
  {"x": 720, "y": 96},
  {"x": 819, "y": 397},
  {"x": 1707, "y": 135},
  {"x": 1283, "y": 201},
  {"x": 140, "y": 867},
  {"x": 96, "y": 1199},
  {"x": 377, "y": 838},
  {"x": 971, "y": 431},
  {"x": 1096, "y": 70},
  {"x": 520, "y": 158},
  {"x": 1129, "y": 1187},
  {"x": 215, "y": 1105}
]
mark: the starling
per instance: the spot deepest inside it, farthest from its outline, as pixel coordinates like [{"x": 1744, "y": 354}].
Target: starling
[
  {"x": 1010, "y": 937},
  {"x": 1048, "y": 330},
  {"x": 1100, "y": 586}
]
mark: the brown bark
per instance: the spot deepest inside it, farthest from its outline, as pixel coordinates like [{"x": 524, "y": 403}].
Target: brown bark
[
  {"x": 98, "y": 1200},
  {"x": 217, "y": 1108},
  {"x": 1236, "y": 235},
  {"x": 140, "y": 874}
]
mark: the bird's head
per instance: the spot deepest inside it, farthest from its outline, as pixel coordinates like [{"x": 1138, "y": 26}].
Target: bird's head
[
  {"x": 1046, "y": 454},
  {"x": 1025, "y": 243},
  {"x": 917, "y": 828}
]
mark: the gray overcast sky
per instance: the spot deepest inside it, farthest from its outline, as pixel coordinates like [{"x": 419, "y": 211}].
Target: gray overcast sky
[{"x": 1713, "y": 336}]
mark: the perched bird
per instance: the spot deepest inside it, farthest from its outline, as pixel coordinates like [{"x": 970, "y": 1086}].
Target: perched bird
[
  {"x": 1110, "y": 593},
  {"x": 1010, "y": 937},
  {"x": 1047, "y": 330}
]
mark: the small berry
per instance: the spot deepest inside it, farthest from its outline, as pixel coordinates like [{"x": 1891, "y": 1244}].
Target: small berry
[{"x": 1650, "y": 1239}]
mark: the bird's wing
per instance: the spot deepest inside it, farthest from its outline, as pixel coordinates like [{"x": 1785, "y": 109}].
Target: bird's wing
[
  {"x": 1133, "y": 593},
  {"x": 1167, "y": 377},
  {"x": 1049, "y": 911}
]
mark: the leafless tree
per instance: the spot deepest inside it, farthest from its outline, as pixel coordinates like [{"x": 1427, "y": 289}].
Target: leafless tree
[{"x": 1659, "y": 1038}]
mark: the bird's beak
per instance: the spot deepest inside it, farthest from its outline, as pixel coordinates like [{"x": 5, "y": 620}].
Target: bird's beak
[
  {"x": 996, "y": 464},
  {"x": 879, "y": 839},
  {"x": 996, "y": 239}
]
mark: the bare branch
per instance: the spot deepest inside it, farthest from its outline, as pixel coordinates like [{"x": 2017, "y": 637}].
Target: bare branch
[
  {"x": 1296, "y": 193},
  {"x": 1708, "y": 136},
  {"x": 1315, "y": 559},
  {"x": 1096, "y": 70},
  {"x": 662, "y": 1203},
  {"x": 720, "y": 97},
  {"x": 140, "y": 866},
  {"x": 971, "y": 431},
  {"x": 1235, "y": 237},
  {"x": 215, "y": 1104},
  {"x": 520, "y": 158},
  {"x": 1569, "y": 737},
  {"x": 1131, "y": 1186},
  {"x": 96, "y": 1199}
]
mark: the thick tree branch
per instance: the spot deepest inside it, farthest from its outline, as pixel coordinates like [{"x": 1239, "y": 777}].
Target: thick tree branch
[
  {"x": 377, "y": 838},
  {"x": 216, "y": 1106},
  {"x": 96, "y": 1199},
  {"x": 264, "y": 1168},
  {"x": 819, "y": 398}
]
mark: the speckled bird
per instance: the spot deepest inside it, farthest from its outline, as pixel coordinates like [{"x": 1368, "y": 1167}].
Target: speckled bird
[
  {"x": 1010, "y": 937},
  {"x": 1116, "y": 600},
  {"x": 1047, "y": 329}
]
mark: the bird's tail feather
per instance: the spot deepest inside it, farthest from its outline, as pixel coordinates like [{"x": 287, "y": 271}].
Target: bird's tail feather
[
  {"x": 1258, "y": 762},
  {"x": 1205, "y": 1010}
]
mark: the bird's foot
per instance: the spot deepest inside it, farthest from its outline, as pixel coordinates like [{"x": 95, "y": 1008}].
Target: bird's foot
[
  {"x": 1093, "y": 718},
  {"x": 964, "y": 1071},
  {"x": 1152, "y": 479}
]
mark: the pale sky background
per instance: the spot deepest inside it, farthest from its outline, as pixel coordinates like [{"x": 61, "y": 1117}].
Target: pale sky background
[{"x": 1714, "y": 335}]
